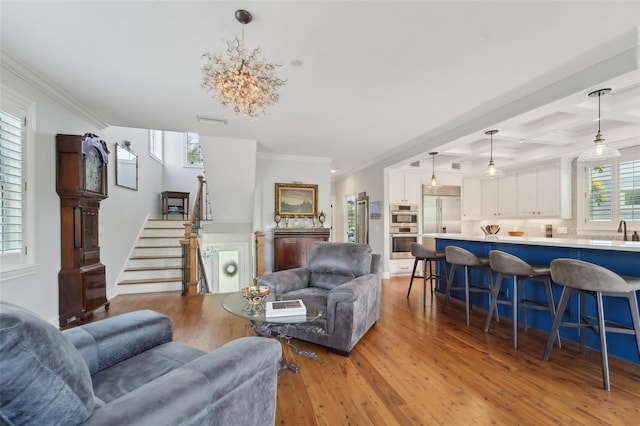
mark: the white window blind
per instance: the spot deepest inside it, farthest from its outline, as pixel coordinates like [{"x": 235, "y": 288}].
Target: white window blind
[
  {"x": 599, "y": 193},
  {"x": 629, "y": 178},
  {"x": 11, "y": 183}
]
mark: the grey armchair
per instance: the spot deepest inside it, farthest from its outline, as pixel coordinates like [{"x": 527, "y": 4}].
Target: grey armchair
[
  {"x": 343, "y": 280},
  {"x": 127, "y": 370}
]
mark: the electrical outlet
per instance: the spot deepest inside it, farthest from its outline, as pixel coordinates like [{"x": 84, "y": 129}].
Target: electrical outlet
[{"x": 562, "y": 229}]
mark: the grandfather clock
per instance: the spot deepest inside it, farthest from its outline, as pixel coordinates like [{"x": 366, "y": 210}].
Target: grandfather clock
[{"x": 81, "y": 183}]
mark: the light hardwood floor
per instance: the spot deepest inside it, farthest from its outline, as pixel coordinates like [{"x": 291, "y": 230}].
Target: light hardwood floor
[{"x": 420, "y": 366}]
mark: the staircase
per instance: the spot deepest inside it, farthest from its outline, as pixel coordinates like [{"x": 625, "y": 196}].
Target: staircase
[{"x": 156, "y": 261}]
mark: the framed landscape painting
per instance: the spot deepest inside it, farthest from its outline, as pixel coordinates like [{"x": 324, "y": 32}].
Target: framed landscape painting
[{"x": 296, "y": 199}]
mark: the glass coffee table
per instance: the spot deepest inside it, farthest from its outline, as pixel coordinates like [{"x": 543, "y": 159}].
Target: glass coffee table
[{"x": 275, "y": 327}]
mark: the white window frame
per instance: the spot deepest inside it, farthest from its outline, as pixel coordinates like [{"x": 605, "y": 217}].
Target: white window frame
[
  {"x": 156, "y": 145},
  {"x": 185, "y": 150},
  {"x": 584, "y": 225},
  {"x": 20, "y": 264}
]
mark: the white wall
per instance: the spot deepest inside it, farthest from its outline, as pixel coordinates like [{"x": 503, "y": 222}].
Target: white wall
[
  {"x": 120, "y": 217},
  {"x": 175, "y": 176},
  {"x": 286, "y": 169},
  {"x": 123, "y": 214},
  {"x": 371, "y": 181},
  {"x": 231, "y": 176}
]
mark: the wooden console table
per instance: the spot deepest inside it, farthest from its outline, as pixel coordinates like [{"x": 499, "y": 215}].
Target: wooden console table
[
  {"x": 291, "y": 246},
  {"x": 175, "y": 202}
]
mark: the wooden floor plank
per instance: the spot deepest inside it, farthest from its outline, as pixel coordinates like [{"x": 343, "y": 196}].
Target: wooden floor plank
[{"x": 418, "y": 366}]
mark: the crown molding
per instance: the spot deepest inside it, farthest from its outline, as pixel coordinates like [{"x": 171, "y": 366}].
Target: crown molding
[{"x": 15, "y": 66}]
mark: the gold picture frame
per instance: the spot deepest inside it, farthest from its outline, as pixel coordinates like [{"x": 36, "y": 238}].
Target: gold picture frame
[{"x": 296, "y": 199}]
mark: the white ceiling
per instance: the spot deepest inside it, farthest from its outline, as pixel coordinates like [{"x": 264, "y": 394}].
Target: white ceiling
[{"x": 377, "y": 77}]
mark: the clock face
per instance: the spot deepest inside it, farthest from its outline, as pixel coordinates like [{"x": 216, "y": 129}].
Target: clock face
[{"x": 93, "y": 171}]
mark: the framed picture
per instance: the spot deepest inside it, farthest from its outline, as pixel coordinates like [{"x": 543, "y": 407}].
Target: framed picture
[
  {"x": 296, "y": 199},
  {"x": 126, "y": 167}
]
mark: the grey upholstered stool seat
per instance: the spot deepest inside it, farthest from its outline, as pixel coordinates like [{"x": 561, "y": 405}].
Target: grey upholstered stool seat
[
  {"x": 427, "y": 256},
  {"x": 586, "y": 278},
  {"x": 510, "y": 265},
  {"x": 458, "y": 257}
]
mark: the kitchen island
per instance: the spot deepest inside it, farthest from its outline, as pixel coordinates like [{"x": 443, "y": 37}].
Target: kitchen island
[{"x": 622, "y": 257}]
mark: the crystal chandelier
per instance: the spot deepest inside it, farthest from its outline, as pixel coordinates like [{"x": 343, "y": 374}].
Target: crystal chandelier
[
  {"x": 599, "y": 151},
  {"x": 492, "y": 172},
  {"x": 245, "y": 82}
]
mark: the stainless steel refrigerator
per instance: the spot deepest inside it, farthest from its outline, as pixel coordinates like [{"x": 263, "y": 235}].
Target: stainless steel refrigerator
[{"x": 441, "y": 210}]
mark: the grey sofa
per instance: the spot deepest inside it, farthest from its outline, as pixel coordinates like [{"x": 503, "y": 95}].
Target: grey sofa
[
  {"x": 127, "y": 370},
  {"x": 343, "y": 280}
]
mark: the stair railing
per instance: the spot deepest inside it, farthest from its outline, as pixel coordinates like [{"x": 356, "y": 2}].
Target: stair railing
[{"x": 191, "y": 267}]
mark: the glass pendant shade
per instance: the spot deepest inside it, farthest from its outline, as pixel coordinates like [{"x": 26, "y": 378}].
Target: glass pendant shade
[
  {"x": 492, "y": 171},
  {"x": 434, "y": 181},
  {"x": 599, "y": 151}
]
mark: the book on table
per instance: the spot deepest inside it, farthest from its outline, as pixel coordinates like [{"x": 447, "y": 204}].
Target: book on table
[{"x": 285, "y": 308}]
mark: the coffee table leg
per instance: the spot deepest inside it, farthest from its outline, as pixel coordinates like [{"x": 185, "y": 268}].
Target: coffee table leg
[{"x": 309, "y": 354}]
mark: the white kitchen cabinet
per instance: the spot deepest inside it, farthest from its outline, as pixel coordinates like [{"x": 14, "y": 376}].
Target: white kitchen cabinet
[
  {"x": 499, "y": 197},
  {"x": 405, "y": 187},
  {"x": 471, "y": 198},
  {"x": 538, "y": 191}
]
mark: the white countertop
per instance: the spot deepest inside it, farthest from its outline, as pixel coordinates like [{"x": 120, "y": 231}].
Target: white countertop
[{"x": 633, "y": 246}]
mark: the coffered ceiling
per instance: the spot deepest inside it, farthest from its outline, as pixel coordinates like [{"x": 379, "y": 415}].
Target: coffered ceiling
[{"x": 367, "y": 81}]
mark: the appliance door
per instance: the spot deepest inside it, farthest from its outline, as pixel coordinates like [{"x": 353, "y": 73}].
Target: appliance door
[
  {"x": 401, "y": 245},
  {"x": 404, "y": 218},
  {"x": 451, "y": 215},
  {"x": 430, "y": 215}
]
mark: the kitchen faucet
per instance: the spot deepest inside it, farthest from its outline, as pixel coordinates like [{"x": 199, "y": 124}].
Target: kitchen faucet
[{"x": 620, "y": 228}]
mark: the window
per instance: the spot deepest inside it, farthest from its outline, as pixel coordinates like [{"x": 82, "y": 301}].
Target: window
[
  {"x": 156, "y": 145},
  {"x": 193, "y": 151},
  {"x": 16, "y": 204},
  {"x": 609, "y": 192}
]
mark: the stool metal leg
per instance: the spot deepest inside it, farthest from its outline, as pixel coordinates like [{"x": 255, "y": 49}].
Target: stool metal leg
[
  {"x": 603, "y": 342},
  {"x": 635, "y": 317},
  {"x": 494, "y": 301},
  {"x": 466, "y": 291},
  {"x": 447, "y": 293},
  {"x": 515, "y": 311},
  {"x": 424, "y": 280},
  {"x": 413, "y": 274},
  {"x": 552, "y": 305},
  {"x": 562, "y": 305}
]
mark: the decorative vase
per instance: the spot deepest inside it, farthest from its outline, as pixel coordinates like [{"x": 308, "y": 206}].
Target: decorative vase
[
  {"x": 277, "y": 218},
  {"x": 321, "y": 219}
]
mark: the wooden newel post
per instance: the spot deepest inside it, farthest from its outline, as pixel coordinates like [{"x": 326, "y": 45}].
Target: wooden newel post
[
  {"x": 191, "y": 241},
  {"x": 259, "y": 253}
]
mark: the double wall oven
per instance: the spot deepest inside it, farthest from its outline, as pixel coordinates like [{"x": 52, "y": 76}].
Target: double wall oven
[{"x": 403, "y": 229}]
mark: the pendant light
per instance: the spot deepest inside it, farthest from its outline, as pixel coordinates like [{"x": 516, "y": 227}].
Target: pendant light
[
  {"x": 599, "y": 151},
  {"x": 492, "y": 172},
  {"x": 434, "y": 182}
]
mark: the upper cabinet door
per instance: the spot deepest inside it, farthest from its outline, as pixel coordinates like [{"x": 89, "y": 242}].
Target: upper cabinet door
[
  {"x": 405, "y": 187},
  {"x": 526, "y": 189},
  {"x": 471, "y": 198}
]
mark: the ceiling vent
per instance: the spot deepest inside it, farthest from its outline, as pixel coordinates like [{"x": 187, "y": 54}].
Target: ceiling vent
[
  {"x": 455, "y": 166},
  {"x": 415, "y": 164}
]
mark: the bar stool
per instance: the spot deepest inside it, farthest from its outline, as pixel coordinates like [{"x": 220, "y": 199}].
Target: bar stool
[
  {"x": 508, "y": 264},
  {"x": 427, "y": 256},
  {"x": 586, "y": 278},
  {"x": 458, "y": 257}
]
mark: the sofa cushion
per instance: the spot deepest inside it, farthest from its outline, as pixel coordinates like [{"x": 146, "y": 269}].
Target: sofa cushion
[
  {"x": 44, "y": 378},
  {"x": 132, "y": 373},
  {"x": 346, "y": 259}
]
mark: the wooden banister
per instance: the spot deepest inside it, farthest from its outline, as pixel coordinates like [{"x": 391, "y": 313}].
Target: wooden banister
[{"x": 189, "y": 261}]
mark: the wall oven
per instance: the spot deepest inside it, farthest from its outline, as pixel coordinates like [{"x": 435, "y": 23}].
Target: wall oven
[
  {"x": 400, "y": 239},
  {"x": 404, "y": 214}
]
